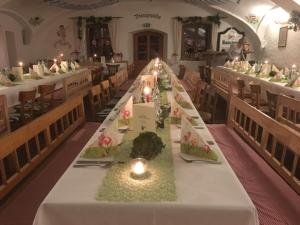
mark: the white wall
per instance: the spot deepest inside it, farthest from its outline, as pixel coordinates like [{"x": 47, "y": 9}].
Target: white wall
[{"x": 44, "y": 36}]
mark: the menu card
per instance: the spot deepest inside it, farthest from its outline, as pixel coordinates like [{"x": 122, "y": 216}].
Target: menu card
[{"x": 144, "y": 117}]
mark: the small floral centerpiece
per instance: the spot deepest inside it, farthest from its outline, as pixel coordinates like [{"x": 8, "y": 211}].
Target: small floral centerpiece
[{"x": 147, "y": 145}]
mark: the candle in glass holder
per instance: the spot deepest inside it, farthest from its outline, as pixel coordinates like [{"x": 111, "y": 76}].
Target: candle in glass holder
[
  {"x": 55, "y": 61},
  {"x": 139, "y": 169}
]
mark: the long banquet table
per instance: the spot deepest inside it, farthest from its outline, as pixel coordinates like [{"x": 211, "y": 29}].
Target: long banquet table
[
  {"x": 207, "y": 194},
  {"x": 275, "y": 87},
  {"x": 12, "y": 92}
]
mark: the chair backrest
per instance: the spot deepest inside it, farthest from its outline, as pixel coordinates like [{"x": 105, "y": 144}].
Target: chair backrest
[
  {"x": 113, "y": 81},
  {"x": 46, "y": 95},
  {"x": 97, "y": 75},
  {"x": 255, "y": 90},
  {"x": 208, "y": 74},
  {"x": 4, "y": 118},
  {"x": 241, "y": 86},
  {"x": 112, "y": 68},
  {"x": 27, "y": 100},
  {"x": 272, "y": 102},
  {"x": 182, "y": 69},
  {"x": 202, "y": 72},
  {"x": 288, "y": 112},
  {"x": 95, "y": 98}
]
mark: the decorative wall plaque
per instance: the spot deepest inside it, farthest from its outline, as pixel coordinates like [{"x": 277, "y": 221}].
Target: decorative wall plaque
[{"x": 228, "y": 37}]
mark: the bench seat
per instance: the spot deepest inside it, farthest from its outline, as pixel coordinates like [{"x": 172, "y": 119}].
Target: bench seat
[
  {"x": 276, "y": 202},
  {"x": 20, "y": 207}
]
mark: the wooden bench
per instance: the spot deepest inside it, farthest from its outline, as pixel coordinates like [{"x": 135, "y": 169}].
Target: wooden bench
[
  {"x": 278, "y": 145},
  {"x": 264, "y": 155},
  {"x": 24, "y": 149},
  {"x": 79, "y": 83},
  {"x": 4, "y": 118},
  {"x": 288, "y": 112}
]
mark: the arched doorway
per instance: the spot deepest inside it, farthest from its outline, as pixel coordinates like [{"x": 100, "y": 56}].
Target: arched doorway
[{"x": 147, "y": 44}]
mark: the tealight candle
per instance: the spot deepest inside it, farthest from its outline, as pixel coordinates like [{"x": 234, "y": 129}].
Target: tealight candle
[
  {"x": 294, "y": 66},
  {"x": 95, "y": 55},
  {"x": 266, "y": 62},
  {"x": 61, "y": 55},
  {"x": 55, "y": 60},
  {"x": 139, "y": 169},
  {"x": 21, "y": 64}
]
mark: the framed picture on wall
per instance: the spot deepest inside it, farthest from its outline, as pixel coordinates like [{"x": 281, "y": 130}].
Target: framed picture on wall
[
  {"x": 283, "y": 34},
  {"x": 228, "y": 37}
]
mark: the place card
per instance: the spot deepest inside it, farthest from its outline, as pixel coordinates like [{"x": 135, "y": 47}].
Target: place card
[
  {"x": 143, "y": 118},
  {"x": 182, "y": 101},
  {"x": 38, "y": 69}
]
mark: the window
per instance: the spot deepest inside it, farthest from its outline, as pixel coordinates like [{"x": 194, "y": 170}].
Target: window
[
  {"x": 196, "y": 38},
  {"x": 98, "y": 40}
]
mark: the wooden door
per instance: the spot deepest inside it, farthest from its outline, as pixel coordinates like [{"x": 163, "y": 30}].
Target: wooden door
[{"x": 147, "y": 45}]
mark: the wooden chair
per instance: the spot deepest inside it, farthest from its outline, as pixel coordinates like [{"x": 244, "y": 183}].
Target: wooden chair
[
  {"x": 27, "y": 105},
  {"x": 208, "y": 105},
  {"x": 241, "y": 89},
  {"x": 4, "y": 118},
  {"x": 131, "y": 68},
  {"x": 95, "y": 99},
  {"x": 181, "y": 71},
  {"x": 272, "y": 103},
  {"x": 113, "y": 85},
  {"x": 112, "y": 69},
  {"x": 97, "y": 76},
  {"x": 105, "y": 91},
  {"x": 208, "y": 74},
  {"x": 46, "y": 98},
  {"x": 202, "y": 72},
  {"x": 287, "y": 112},
  {"x": 199, "y": 94},
  {"x": 257, "y": 102}
]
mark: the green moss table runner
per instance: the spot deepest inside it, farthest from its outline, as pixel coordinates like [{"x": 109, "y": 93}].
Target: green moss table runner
[{"x": 118, "y": 186}]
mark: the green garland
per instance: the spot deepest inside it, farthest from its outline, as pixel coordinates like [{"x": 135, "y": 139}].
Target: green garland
[{"x": 198, "y": 19}]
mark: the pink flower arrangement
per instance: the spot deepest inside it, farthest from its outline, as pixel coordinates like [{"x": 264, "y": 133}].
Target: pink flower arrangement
[{"x": 104, "y": 141}]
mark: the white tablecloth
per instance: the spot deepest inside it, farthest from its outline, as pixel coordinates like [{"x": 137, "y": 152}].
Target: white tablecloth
[
  {"x": 207, "y": 194},
  {"x": 12, "y": 93},
  {"x": 275, "y": 87}
]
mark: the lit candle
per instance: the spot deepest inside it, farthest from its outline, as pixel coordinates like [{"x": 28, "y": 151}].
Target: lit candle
[
  {"x": 61, "y": 55},
  {"x": 55, "y": 61},
  {"x": 294, "y": 66},
  {"x": 266, "y": 62},
  {"x": 147, "y": 93},
  {"x": 139, "y": 168},
  {"x": 21, "y": 64}
]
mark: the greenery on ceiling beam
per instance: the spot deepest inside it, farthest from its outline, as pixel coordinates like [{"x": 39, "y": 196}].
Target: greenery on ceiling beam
[{"x": 216, "y": 19}]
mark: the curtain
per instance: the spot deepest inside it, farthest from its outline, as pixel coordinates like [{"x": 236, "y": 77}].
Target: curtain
[
  {"x": 214, "y": 36},
  {"x": 83, "y": 47},
  {"x": 113, "y": 27},
  {"x": 177, "y": 32}
]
